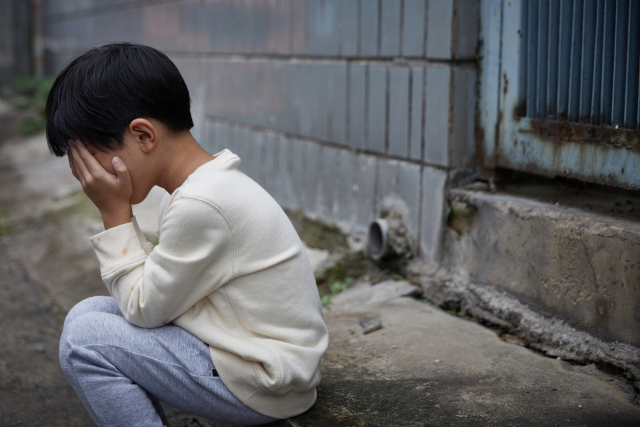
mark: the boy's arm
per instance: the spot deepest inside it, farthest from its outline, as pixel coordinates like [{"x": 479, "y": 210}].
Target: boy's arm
[{"x": 153, "y": 289}]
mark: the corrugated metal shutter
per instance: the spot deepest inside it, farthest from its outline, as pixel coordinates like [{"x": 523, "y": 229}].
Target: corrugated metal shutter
[{"x": 580, "y": 61}]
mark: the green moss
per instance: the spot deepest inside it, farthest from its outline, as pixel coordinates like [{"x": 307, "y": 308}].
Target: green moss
[
  {"x": 317, "y": 235},
  {"x": 351, "y": 264},
  {"x": 461, "y": 215},
  {"x": 335, "y": 288},
  {"x": 152, "y": 238}
]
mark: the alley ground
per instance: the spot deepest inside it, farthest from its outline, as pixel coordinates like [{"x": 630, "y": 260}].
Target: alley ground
[{"x": 424, "y": 367}]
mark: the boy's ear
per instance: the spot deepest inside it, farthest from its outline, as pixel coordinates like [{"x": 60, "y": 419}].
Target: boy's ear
[{"x": 144, "y": 133}]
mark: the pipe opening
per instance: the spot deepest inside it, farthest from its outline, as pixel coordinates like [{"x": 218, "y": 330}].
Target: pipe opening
[{"x": 378, "y": 239}]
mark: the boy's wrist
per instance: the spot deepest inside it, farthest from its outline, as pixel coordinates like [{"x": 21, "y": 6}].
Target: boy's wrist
[{"x": 116, "y": 216}]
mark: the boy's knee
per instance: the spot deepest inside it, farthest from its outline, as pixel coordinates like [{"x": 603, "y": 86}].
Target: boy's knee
[
  {"x": 84, "y": 329},
  {"x": 92, "y": 304}
]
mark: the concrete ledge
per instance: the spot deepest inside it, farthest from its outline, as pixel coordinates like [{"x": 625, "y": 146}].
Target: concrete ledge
[{"x": 578, "y": 266}]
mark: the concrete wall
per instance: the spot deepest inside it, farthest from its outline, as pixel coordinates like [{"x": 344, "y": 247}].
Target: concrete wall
[
  {"x": 342, "y": 109},
  {"x": 15, "y": 47}
]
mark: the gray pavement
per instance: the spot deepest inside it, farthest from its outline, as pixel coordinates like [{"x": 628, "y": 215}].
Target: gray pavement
[{"x": 423, "y": 368}]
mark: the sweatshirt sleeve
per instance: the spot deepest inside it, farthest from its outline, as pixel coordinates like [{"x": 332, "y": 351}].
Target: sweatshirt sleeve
[
  {"x": 146, "y": 245},
  {"x": 153, "y": 288}
]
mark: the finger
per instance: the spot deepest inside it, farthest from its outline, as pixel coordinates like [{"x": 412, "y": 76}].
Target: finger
[
  {"x": 81, "y": 169},
  {"x": 73, "y": 169},
  {"x": 89, "y": 161},
  {"x": 122, "y": 173}
]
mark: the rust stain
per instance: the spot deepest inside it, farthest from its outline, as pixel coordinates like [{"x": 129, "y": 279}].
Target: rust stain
[
  {"x": 496, "y": 135},
  {"x": 124, "y": 251},
  {"x": 559, "y": 131},
  {"x": 506, "y": 83}
]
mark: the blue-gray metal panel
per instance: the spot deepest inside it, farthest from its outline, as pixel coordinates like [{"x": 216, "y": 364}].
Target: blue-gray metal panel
[
  {"x": 330, "y": 27},
  {"x": 338, "y": 103},
  {"x": 633, "y": 70},
  {"x": 344, "y": 188},
  {"x": 300, "y": 26},
  {"x": 432, "y": 212},
  {"x": 241, "y": 147},
  {"x": 223, "y": 16},
  {"x": 489, "y": 52},
  {"x": 589, "y": 22},
  {"x": 314, "y": 27},
  {"x": 436, "y": 126},
  {"x": 466, "y": 29},
  {"x": 376, "y": 108},
  {"x": 439, "y": 28},
  {"x": 415, "y": 131},
  {"x": 524, "y": 144},
  {"x": 532, "y": 57},
  {"x": 252, "y": 164},
  {"x": 284, "y": 181},
  {"x": 596, "y": 90},
  {"x": 329, "y": 174},
  {"x": 462, "y": 140},
  {"x": 604, "y": 164},
  {"x": 399, "y": 111},
  {"x": 413, "y": 28},
  {"x": 390, "y": 28},
  {"x": 357, "y": 90},
  {"x": 322, "y": 74},
  {"x": 258, "y": 95},
  {"x": 566, "y": 19},
  {"x": 369, "y": 28},
  {"x": 387, "y": 188},
  {"x": 311, "y": 183},
  {"x": 305, "y": 96},
  {"x": 297, "y": 174},
  {"x": 349, "y": 28},
  {"x": 552, "y": 60},
  {"x": 220, "y": 138},
  {"x": 259, "y": 16},
  {"x": 365, "y": 189},
  {"x": 607, "y": 61},
  {"x": 620, "y": 63},
  {"x": 409, "y": 193},
  {"x": 270, "y": 166},
  {"x": 575, "y": 75},
  {"x": 290, "y": 96},
  {"x": 280, "y": 27},
  {"x": 543, "y": 48}
]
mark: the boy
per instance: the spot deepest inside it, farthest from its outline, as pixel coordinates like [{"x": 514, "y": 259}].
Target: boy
[{"x": 222, "y": 318}]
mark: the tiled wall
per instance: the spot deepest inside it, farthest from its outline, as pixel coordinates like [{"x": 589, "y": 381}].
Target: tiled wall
[{"x": 340, "y": 108}]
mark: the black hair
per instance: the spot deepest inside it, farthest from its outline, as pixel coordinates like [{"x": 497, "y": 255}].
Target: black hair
[{"x": 97, "y": 95}]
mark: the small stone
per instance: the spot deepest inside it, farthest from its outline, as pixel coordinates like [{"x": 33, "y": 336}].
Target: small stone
[
  {"x": 39, "y": 348},
  {"x": 369, "y": 325},
  {"x": 437, "y": 360},
  {"x": 351, "y": 331},
  {"x": 394, "y": 346},
  {"x": 579, "y": 406}
]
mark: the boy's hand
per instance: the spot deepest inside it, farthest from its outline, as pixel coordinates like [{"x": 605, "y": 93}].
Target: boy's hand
[{"x": 110, "y": 193}]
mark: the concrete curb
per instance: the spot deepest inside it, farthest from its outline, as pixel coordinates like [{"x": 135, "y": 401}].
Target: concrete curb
[{"x": 551, "y": 336}]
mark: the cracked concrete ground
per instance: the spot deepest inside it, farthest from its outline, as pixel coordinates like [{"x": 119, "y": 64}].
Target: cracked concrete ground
[{"x": 423, "y": 368}]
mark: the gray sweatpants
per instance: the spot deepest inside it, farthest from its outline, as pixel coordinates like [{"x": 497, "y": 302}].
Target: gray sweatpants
[{"x": 122, "y": 372}]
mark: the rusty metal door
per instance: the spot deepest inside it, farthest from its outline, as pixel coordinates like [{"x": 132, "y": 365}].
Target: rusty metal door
[{"x": 560, "y": 88}]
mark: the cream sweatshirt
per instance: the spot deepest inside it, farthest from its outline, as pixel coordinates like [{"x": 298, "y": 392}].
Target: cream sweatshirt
[{"x": 230, "y": 269}]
